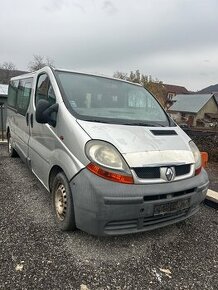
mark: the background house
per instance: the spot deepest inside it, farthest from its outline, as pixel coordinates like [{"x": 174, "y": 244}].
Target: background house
[
  {"x": 196, "y": 109},
  {"x": 3, "y": 102},
  {"x": 172, "y": 91},
  {"x": 3, "y": 92},
  {"x": 5, "y": 76},
  {"x": 216, "y": 97}
]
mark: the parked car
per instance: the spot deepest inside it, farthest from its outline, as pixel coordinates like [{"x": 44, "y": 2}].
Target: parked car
[{"x": 113, "y": 160}]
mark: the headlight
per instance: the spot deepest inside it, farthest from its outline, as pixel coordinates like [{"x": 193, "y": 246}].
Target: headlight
[
  {"x": 196, "y": 153},
  {"x": 107, "y": 162},
  {"x": 105, "y": 155}
]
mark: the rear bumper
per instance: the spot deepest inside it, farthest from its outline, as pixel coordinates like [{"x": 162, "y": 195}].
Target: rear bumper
[{"x": 103, "y": 207}]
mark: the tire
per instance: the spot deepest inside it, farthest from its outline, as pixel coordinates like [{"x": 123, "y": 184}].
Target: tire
[
  {"x": 62, "y": 201},
  {"x": 11, "y": 151}
]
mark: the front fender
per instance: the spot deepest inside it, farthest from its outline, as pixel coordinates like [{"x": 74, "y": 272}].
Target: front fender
[{"x": 67, "y": 161}]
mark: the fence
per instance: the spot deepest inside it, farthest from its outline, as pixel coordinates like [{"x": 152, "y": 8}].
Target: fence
[{"x": 2, "y": 121}]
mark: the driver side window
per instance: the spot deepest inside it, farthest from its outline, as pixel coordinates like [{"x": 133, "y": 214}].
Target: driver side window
[{"x": 44, "y": 90}]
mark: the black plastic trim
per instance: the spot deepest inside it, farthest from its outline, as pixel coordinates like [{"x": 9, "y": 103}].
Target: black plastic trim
[{"x": 163, "y": 132}]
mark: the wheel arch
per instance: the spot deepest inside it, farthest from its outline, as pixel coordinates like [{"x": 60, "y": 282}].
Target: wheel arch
[
  {"x": 7, "y": 131},
  {"x": 53, "y": 172},
  {"x": 62, "y": 162}
]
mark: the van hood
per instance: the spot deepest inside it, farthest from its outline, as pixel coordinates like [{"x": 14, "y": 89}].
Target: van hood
[{"x": 144, "y": 146}]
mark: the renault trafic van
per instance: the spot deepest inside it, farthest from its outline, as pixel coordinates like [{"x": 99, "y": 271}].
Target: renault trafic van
[{"x": 113, "y": 160}]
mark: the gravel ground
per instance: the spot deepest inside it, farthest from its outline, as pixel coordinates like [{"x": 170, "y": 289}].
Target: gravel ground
[
  {"x": 35, "y": 255},
  {"x": 212, "y": 170}
]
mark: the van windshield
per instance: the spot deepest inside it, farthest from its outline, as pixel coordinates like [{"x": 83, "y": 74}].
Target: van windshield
[{"x": 100, "y": 99}]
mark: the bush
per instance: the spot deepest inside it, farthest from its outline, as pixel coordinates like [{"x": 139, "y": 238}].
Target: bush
[{"x": 206, "y": 141}]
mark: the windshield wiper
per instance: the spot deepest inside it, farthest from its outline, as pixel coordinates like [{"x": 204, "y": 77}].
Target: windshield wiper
[
  {"x": 96, "y": 121},
  {"x": 118, "y": 122}
]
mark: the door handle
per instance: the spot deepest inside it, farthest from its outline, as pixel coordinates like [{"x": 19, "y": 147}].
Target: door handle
[
  {"x": 27, "y": 119},
  {"x": 31, "y": 120}
]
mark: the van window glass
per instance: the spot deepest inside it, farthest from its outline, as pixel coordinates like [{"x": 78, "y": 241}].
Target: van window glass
[
  {"x": 12, "y": 93},
  {"x": 44, "y": 90},
  {"x": 96, "y": 98},
  {"x": 23, "y": 96}
]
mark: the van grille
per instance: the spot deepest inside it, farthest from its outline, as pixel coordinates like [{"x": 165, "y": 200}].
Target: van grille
[
  {"x": 147, "y": 172},
  {"x": 137, "y": 224},
  {"x": 122, "y": 225},
  {"x": 158, "y": 220},
  {"x": 182, "y": 169},
  {"x": 154, "y": 172},
  {"x": 148, "y": 198}
]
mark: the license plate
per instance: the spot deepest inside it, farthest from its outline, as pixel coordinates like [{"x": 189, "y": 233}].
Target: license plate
[{"x": 171, "y": 207}]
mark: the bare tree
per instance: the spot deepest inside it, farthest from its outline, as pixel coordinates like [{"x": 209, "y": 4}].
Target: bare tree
[
  {"x": 120, "y": 75},
  {"x": 6, "y": 71},
  {"x": 8, "y": 65},
  {"x": 39, "y": 62}
]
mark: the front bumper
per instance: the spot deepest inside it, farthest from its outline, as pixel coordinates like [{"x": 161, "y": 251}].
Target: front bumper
[{"x": 104, "y": 207}]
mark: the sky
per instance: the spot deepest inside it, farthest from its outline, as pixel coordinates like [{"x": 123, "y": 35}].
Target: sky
[{"x": 175, "y": 41}]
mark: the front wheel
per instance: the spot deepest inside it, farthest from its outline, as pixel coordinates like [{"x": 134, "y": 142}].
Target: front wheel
[
  {"x": 62, "y": 201},
  {"x": 11, "y": 151}
]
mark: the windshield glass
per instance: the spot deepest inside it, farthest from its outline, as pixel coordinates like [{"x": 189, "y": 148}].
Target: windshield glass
[{"x": 99, "y": 99}]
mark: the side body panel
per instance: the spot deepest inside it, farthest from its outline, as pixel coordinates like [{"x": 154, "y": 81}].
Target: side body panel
[
  {"x": 18, "y": 116},
  {"x": 62, "y": 145},
  {"x": 21, "y": 135}
]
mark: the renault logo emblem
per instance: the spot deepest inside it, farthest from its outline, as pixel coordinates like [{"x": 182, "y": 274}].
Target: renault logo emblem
[{"x": 170, "y": 173}]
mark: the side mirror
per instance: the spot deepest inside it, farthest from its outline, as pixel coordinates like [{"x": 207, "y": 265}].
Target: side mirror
[{"x": 46, "y": 113}]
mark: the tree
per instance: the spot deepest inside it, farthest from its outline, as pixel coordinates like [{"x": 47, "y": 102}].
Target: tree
[
  {"x": 8, "y": 65},
  {"x": 6, "y": 71},
  {"x": 39, "y": 62},
  {"x": 158, "y": 90},
  {"x": 120, "y": 75}
]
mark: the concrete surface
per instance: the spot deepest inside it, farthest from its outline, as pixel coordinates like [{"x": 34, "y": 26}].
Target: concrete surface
[
  {"x": 35, "y": 255},
  {"x": 212, "y": 195}
]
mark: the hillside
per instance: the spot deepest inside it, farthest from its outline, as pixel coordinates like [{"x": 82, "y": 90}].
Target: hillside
[
  {"x": 5, "y": 75},
  {"x": 210, "y": 89}
]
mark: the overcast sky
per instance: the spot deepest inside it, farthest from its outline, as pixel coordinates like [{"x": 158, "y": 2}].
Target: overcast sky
[{"x": 175, "y": 41}]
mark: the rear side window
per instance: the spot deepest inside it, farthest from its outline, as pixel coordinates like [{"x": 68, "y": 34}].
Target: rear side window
[
  {"x": 44, "y": 90},
  {"x": 12, "y": 93},
  {"x": 23, "y": 95}
]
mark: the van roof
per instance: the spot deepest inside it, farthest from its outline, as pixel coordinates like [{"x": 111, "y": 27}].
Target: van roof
[
  {"x": 96, "y": 75},
  {"x": 26, "y": 75},
  {"x": 31, "y": 74}
]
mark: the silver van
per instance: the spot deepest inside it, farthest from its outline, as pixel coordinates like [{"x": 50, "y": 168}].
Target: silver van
[{"x": 113, "y": 160}]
